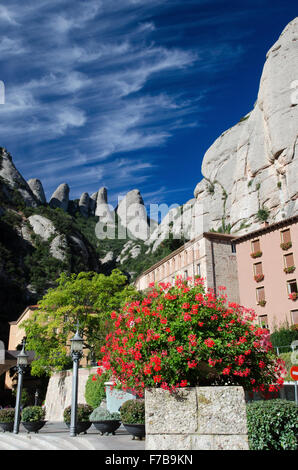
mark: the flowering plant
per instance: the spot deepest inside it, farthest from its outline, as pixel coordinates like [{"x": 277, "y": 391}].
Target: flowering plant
[
  {"x": 293, "y": 296},
  {"x": 262, "y": 303},
  {"x": 256, "y": 254},
  {"x": 289, "y": 269},
  {"x": 184, "y": 336},
  {"x": 286, "y": 246},
  {"x": 259, "y": 277}
]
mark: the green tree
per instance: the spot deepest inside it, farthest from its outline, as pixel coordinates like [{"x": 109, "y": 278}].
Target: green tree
[{"x": 87, "y": 298}]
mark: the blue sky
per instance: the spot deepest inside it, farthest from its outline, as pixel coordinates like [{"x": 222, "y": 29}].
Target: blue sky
[{"x": 128, "y": 93}]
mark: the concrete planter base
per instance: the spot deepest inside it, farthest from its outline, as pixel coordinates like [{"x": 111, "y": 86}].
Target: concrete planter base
[{"x": 196, "y": 418}]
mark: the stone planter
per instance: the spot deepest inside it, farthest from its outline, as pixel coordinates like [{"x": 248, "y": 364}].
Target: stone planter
[
  {"x": 82, "y": 426},
  {"x": 136, "y": 430},
  {"x": 7, "y": 427},
  {"x": 198, "y": 418},
  {"x": 107, "y": 427},
  {"x": 33, "y": 426}
]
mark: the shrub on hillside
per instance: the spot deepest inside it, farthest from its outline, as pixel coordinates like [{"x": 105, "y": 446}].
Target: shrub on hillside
[{"x": 272, "y": 425}]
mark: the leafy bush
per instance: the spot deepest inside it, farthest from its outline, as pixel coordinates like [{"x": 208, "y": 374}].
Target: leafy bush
[
  {"x": 284, "y": 336},
  {"x": 7, "y": 415},
  {"x": 272, "y": 425},
  {"x": 286, "y": 357},
  {"x": 183, "y": 336},
  {"x": 33, "y": 414},
  {"x": 100, "y": 414},
  {"x": 133, "y": 412},
  {"x": 95, "y": 390},
  {"x": 263, "y": 214},
  {"x": 83, "y": 413}
]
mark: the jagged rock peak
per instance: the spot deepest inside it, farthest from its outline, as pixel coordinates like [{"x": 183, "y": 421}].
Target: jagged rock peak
[
  {"x": 60, "y": 197},
  {"x": 133, "y": 215},
  {"x": 103, "y": 211},
  {"x": 14, "y": 179},
  {"x": 84, "y": 204},
  {"x": 37, "y": 189},
  {"x": 102, "y": 196}
]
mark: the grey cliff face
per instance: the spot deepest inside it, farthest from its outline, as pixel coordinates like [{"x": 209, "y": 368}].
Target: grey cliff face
[{"x": 254, "y": 164}]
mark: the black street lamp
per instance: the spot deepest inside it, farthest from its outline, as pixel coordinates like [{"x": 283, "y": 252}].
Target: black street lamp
[
  {"x": 22, "y": 362},
  {"x": 76, "y": 354}
]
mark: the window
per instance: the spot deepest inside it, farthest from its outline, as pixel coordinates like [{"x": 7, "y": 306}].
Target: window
[
  {"x": 185, "y": 274},
  {"x": 233, "y": 247},
  {"x": 263, "y": 321},
  {"x": 258, "y": 269},
  {"x": 173, "y": 280},
  {"x": 294, "y": 315},
  {"x": 255, "y": 246},
  {"x": 199, "y": 269},
  {"x": 285, "y": 236},
  {"x": 260, "y": 292},
  {"x": 289, "y": 260},
  {"x": 292, "y": 286}
]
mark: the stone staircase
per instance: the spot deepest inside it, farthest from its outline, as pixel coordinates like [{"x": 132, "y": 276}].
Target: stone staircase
[
  {"x": 55, "y": 436},
  {"x": 22, "y": 441}
]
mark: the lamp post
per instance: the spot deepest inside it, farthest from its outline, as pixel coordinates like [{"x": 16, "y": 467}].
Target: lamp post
[
  {"x": 36, "y": 396},
  {"x": 22, "y": 362},
  {"x": 76, "y": 354}
]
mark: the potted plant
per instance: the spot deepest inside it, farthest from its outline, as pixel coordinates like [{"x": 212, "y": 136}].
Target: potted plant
[
  {"x": 293, "y": 296},
  {"x": 191, "y": 355},
  {"x": 256, "y": 254},
  {"x": 286, "y": 246},
  {"x": 132, "y": 414},
  {"x": 7, "y": 419},
  {"x": 262, "y": 303},
  {"x": 83, "y": 413},
  {"x": 289, "y": 269},
  {"x": 33, "y": 418},
  {"x": 259, "y": 277},
  {"x": 104, "y": 421}
]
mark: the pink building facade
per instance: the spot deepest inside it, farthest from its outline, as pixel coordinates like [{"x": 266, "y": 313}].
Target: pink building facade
[
  {"x": 210, "y": 256},
  {"x": 267, "y": 273}
]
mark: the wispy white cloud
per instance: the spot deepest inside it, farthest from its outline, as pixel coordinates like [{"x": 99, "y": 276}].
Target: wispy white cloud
[{"x": 99, "y": 82}]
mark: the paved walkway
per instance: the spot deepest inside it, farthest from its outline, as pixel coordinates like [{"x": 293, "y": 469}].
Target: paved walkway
[{"x": 55, "y": 436}]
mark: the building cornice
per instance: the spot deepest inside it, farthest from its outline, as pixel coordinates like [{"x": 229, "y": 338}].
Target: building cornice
[{"x": 266, "y": 229}]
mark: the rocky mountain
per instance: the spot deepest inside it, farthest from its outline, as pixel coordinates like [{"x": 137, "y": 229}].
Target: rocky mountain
[
  {"x": 251, "y": 169},
  {"x": 249, "y": 176}
]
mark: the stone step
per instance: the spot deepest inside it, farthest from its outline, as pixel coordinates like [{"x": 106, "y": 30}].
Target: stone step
[{"x": 9, "y": 441}]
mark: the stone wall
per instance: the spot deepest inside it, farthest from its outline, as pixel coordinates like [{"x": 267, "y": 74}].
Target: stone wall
[
  {"x": 198, "y": 418},
  {"x": 58, "y": 395}
]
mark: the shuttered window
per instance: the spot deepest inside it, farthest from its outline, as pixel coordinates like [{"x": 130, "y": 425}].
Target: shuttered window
[
  {"x": 263, "y": 321},
  {"x": 292, "y": 286},
  {"x": 255, "y": 245},
  {"x": 258, "y": 269},
  {"x": 289, "y": 260},
  {"x": 286, "y": 236},
  {"x": 294, "y": 315},
  {"x": 260, "y": 294}
]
